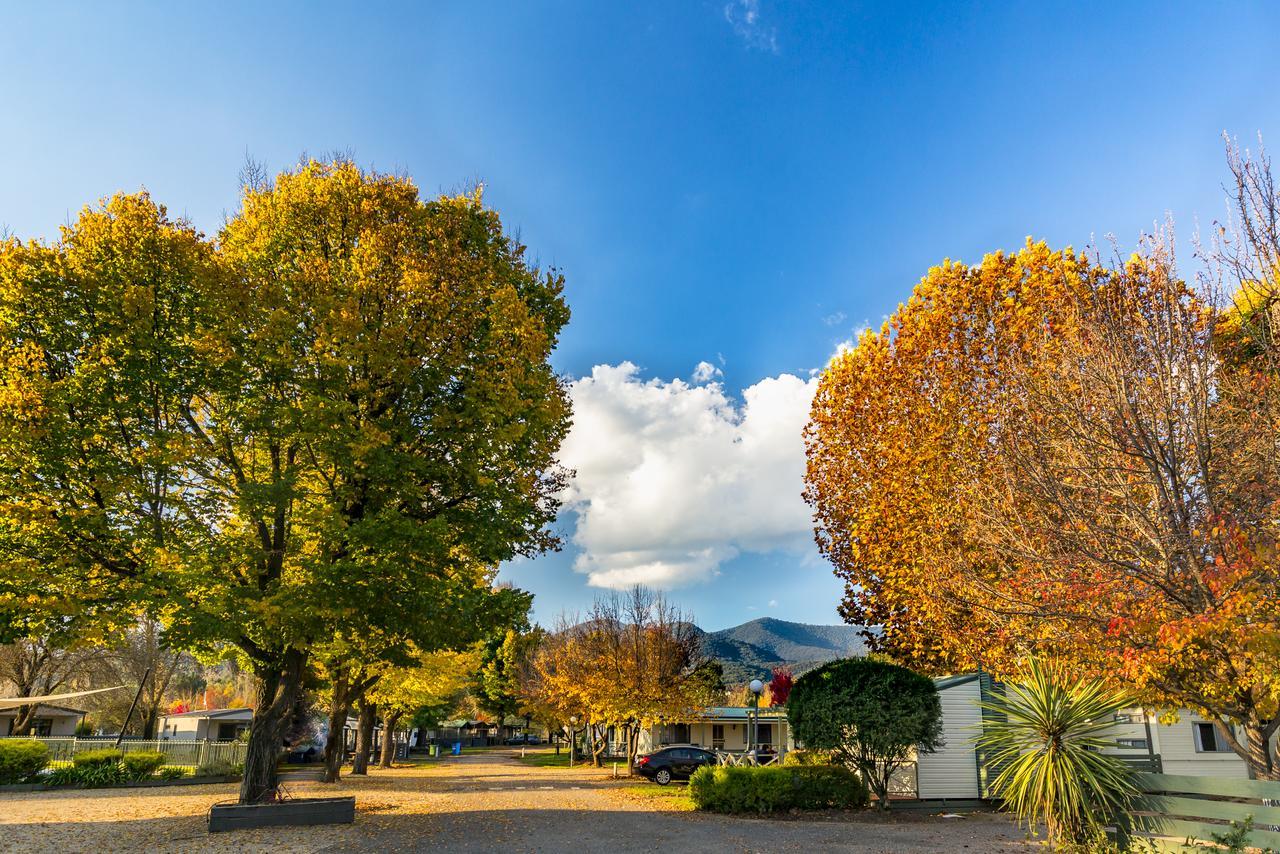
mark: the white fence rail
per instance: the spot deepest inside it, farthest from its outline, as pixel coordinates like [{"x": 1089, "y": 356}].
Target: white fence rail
[{"x": 185, "y": 754}]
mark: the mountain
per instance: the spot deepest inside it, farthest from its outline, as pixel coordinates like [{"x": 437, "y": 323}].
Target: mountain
[{"x": 751, "y": 650}]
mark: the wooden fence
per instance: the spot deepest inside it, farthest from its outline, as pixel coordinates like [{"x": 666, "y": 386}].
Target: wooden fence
[
  {"x": 186, "y": 754},
  {"x": 1175, "y": 808}
]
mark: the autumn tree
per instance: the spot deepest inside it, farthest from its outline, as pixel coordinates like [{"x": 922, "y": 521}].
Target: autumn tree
[
  {"x": 138, "y": 658},
  {"x": 36, "y": 667},
  {"x": 306, "y": 431},
  {"x": 430, "y": 681},
  {"x": 628, "y": 664},
  {"x": 1039, "y": 454}
]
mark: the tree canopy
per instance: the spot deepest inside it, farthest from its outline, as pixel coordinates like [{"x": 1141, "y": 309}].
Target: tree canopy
[
  {"x": 871, "y": 714},
  {"x": 321, "y": 431}
]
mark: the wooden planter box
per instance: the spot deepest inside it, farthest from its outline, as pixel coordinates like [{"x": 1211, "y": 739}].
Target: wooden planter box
[{"x": 295, "y": 812}]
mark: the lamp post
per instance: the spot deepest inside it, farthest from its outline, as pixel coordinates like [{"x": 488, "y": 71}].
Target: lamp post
[
  {"x": 573, "y": 737},
  {"x": 756, "y": 687}
]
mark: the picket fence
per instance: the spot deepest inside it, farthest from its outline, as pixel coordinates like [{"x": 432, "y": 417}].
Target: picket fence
[
  {"x": 185, "y": 754},
  {"x": 1175, "y": 808}
]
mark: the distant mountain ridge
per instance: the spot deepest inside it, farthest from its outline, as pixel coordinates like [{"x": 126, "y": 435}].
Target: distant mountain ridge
[{"x": 751, "y": 650}]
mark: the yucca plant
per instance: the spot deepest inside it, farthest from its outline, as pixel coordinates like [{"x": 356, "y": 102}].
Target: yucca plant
[{"x": 1045, "y": 737}]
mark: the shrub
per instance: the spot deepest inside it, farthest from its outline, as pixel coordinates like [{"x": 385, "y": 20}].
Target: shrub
[
  {"x": 171, "y": 772},
  {"x": 807, "y": 757},
  {"x": 67, "y": 775},
  {"x": 102, "y": 774},
  {"x": 142, "y": 764},
  {"x": 96, "y": 758},
  {"x": 21, "y": 759},
  {"x": 1047, "y": 734},
  {"x": 873, "y": 714},
  {"x": 220, "y": 768},
  {"x": 730, "y": 789},
  {"x": 88, "y": 776}
]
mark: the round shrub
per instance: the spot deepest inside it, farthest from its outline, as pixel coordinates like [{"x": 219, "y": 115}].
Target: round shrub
[
  {"x": 96, "y": 758},
  {"x": 21, "y": 759},
  {"x": 739, "y": 789},
  {"x": 807, "y": 757},
  {"x": 171, "y": 772},
  {"x": 142, "y": 764}
]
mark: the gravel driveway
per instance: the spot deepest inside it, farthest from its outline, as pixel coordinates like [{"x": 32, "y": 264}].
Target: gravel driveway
[{"x": 485, "y": 802}]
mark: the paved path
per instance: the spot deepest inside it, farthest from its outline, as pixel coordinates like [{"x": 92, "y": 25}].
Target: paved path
[
  {"x": 496, "y": 804},
  {"x": 486, "y": 802}
]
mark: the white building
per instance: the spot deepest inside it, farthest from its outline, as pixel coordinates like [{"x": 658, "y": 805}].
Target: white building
[
  {"x": 50, "y": 721},
  {"x": 211, "y": 724}
]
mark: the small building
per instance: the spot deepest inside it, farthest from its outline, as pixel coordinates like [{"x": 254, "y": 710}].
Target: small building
[
  {"x": 50, "y": 721},
  {"x": 211, "y": 724},
  {"x": 723, "y": 728},
  {"x": 1189, "y": 745}
]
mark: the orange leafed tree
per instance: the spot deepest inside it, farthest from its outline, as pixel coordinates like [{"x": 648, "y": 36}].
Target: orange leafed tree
[{"x": 1040, "y": 455}]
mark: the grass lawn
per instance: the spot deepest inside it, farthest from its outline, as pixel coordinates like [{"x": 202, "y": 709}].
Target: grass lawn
[
  {"x": 542, "y": 759},
  {"x": 674, "y": 797}
]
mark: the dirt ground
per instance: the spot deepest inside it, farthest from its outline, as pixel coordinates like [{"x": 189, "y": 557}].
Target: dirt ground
[{"x": 471, "y": 803}]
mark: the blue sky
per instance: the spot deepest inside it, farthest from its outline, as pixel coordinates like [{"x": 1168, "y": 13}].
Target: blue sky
[{"x": 742, "y": 184}]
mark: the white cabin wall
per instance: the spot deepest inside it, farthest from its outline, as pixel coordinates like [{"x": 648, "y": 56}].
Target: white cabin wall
[{"x": 952, "y": 770}]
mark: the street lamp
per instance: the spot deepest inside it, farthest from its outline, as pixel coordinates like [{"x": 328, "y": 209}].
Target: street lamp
[
  {"x": 573, "y": 737},
  {"x": 756, "y": 687}
]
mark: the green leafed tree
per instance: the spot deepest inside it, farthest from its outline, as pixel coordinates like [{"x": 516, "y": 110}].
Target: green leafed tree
[
  {"x": 873, "y": 715},
  {"x": 308, "y": 433}
]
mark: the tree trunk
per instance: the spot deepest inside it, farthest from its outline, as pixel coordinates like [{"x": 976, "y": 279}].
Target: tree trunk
[
  {"x": 278, "y": 689},
  {"x": 1261, "y": 761},
  {"x": 388, "y": 739},
  {"x": 600, "y": 743},
  {"x": 633, "y": 747},
  {"x": 26, "y": 720},
  {"x": 364, "y": 737},
  {"x": 334, "y": 742}
]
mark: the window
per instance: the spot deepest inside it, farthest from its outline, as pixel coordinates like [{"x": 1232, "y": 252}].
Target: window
[
  {"x": 681, "y": 755},
  {"x": 676, "y": 734},
  {"x": 764, "y": 734},
  {"x": 1136, "y": 743},
  {"x": 717, "y": 736},
  {"x": 43, "y": 727},
  {"x": 1208, "y": 740}
]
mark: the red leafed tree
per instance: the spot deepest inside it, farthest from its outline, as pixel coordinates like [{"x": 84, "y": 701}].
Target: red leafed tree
[{"x": 780, "y": 686}]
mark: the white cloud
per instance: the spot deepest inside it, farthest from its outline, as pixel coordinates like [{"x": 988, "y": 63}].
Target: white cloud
[
  {"x": 744, "y": 17},
  {"x": 834, "y": 319},
  {"x": 773, "y": 603},
  {"x": 673, "y": 479},
  {"x": 705, "y": 372}
]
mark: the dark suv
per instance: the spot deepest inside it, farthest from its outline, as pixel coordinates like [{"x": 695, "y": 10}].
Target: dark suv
[{"x": 674, "y": 763}]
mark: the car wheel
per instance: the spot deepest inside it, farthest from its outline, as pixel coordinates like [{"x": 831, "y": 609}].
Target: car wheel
[{"x": 663, "y": 777}]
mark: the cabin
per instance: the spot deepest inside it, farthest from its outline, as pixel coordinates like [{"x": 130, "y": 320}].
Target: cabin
[
  {"x": 211, "y": 724},
  {"x": 50, "y": 721}
]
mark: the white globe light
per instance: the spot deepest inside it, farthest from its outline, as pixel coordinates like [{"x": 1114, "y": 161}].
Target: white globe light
[{"x": 756, "y": 686}]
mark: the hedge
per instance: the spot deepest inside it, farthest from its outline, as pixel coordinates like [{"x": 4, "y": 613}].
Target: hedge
[
  {"x": 141, "y": 764},
  {"x": 96, "y": 758},
  {"x": 737, "y": 789},
  {"x": 21, "y": 759}
]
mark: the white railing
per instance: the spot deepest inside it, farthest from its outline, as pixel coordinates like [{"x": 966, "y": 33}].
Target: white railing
[{"x": 185, "y": 754}]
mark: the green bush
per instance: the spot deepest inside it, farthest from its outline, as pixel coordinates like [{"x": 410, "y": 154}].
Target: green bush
[
  {"x": 731, "y": 789},
  {"x": 87, "y": 776},
  {"x": 142, "y": 764},
  {"x": 102, "y": 774},
  {"x": 220, "y": 768},
  {"x": 807, "y": 757},
  {"x": 21, "y": 759},
  {"x": 96, "y": 758},
  {"x": 67, "y": 775},
  {"x": 171, "y": 772}
]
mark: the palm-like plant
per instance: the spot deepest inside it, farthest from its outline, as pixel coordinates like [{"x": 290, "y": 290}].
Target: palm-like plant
[{"x": 1045, "y": 735}]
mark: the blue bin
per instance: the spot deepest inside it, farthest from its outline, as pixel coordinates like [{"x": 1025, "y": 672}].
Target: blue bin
[{"x": 457, "y": 748}]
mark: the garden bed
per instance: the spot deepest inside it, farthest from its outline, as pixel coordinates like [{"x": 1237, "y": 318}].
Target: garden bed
[
  {"x": 296, "y": 812},
  {"x": 140, "y": 784}
]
